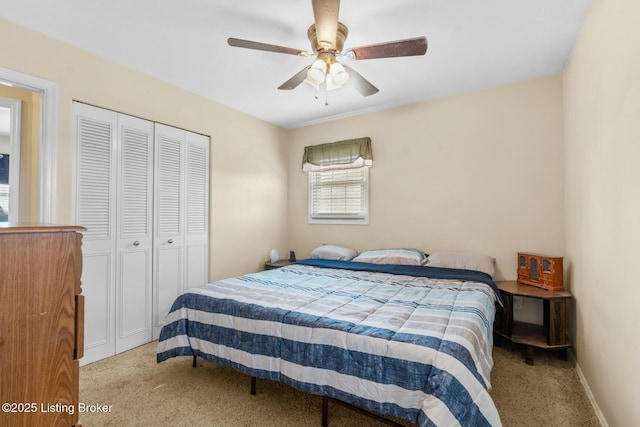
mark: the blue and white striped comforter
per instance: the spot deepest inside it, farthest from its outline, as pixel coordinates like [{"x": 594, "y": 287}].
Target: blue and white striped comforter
[{"x": 412, "y": 347}]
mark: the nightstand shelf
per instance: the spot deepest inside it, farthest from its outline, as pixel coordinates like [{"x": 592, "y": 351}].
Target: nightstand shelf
[{"x": 551, "y": 335}]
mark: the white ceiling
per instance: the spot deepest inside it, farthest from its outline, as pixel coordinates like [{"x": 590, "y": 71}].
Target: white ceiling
[{"x": 472, "y": 45}]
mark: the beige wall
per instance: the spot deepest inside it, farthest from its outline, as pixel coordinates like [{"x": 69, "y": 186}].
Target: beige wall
[
  {"x": 479, "y": 172},
  {"x": 248, "y": 156},
  {"x": 602, "y": 180}
]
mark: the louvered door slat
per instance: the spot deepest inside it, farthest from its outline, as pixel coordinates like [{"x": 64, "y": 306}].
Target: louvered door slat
[
  {"x": 169, "y": 188},
  {"x": 197, "y": 177},
  {"x": 136, "y": 185},
  {"x": 95, "y": 139}
]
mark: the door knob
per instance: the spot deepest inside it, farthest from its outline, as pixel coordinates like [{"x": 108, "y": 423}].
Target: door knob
[
  {"x": 170, "y": 241},
  {"x": 136, "y": 243}
]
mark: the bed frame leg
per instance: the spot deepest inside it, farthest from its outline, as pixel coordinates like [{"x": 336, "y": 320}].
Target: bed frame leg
[
  {"x": 195, "y": 361},
  {"x": 325, "y": 411},
  {"x": 253, "y": 386}
]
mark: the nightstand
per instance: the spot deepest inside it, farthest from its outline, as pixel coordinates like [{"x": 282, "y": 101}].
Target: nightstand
[
  {"x": 551, "y": 335},
  {"x": 278, "y": 264}
]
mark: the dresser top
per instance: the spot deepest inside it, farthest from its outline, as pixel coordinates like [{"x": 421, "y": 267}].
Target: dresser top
[{"x": 33, "y": 227}]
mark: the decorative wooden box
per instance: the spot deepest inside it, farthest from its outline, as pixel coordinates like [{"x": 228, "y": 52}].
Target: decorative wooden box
[{"x": 541, "y": 271}]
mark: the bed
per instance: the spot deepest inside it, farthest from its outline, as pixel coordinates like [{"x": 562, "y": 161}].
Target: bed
[{"x": 412, "y": 342}]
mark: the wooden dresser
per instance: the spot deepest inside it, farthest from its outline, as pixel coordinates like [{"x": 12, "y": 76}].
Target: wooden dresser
[{"x": 41, "y": 324}]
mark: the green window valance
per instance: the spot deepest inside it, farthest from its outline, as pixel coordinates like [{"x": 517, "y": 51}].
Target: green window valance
[{"x": 350, "y": 153}]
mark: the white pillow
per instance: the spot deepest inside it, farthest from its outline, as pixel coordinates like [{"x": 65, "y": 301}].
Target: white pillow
[
  {"x": 393, "y": 256},
  {"x": 334, "y": 252},
  {"x": 462, "y": 260}
]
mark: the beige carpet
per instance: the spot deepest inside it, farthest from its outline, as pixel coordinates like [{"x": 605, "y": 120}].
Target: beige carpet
[{"x": 141, "y": 392}]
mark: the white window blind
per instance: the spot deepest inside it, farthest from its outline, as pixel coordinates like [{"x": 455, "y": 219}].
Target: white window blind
[{"x": 339, "y": 196}]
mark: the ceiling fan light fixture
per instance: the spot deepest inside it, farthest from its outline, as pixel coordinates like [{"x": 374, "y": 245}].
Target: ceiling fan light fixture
[
  {"x": 318, "y": 71},
  {"x": 339, "y": 75},
  {"x": 327, "y": 36}
]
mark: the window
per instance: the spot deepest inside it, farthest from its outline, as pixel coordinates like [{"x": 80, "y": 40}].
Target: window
[
  {"x": 339, "y": 196},
  {"x": 339, "y": 181}
]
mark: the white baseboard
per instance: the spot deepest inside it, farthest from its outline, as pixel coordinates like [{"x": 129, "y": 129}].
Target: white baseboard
[{"x": 587, "y": 389}]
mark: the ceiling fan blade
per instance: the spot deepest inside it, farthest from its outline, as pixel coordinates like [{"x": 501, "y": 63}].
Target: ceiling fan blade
[
  {"x": 361, "y": 84},
  {"x": 407, "y": 47},
  {"x": 295, "y": 81},
  {"x": 248, "y": 44},
  {"x": 325, "y": 13}
]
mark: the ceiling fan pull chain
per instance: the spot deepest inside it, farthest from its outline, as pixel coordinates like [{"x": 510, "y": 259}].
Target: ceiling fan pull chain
[{"x": 326, "y": 96}]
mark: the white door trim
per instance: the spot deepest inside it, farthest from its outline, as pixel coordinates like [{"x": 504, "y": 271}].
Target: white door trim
[{"x": 48, "y": 136}]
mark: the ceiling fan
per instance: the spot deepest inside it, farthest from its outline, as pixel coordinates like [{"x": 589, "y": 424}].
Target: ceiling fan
[{"x": 327, "y": 37}]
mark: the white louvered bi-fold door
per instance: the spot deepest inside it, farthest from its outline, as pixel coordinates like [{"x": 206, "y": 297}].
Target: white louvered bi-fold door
[
  {"x": 181, "y": 216},
  {"x": 95, "y": 137},
  {"x": 115, "y": 203},
  {"x": 197, "y": 210},
  {"x": 134, "y": 319},
  {"x": 142, "y": 192},
  {"x": 169, "y": 221}
]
